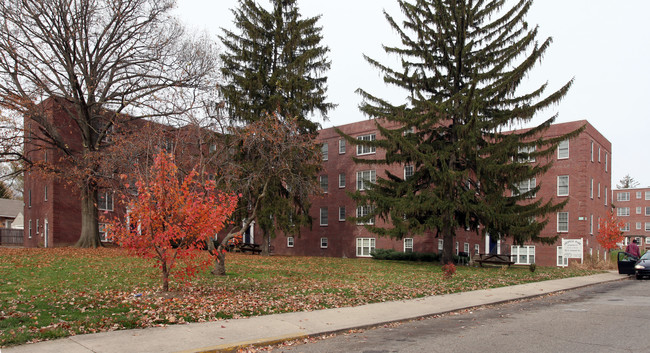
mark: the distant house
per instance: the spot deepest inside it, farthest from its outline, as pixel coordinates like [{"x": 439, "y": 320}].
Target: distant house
[
  {"x": 633, "y": 208},
  {"x": 11, "y": 213}
]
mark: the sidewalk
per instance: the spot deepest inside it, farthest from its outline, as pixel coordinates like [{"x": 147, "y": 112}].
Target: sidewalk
[{"x": 227, "y": 335}]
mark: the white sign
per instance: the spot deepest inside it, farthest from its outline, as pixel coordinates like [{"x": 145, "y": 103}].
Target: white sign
[{"x": 572, "y": 248}]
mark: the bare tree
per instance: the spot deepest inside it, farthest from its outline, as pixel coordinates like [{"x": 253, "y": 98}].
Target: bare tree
[
  {"x": 97, "y": 64},
  {"x": 627, "y": 183}
]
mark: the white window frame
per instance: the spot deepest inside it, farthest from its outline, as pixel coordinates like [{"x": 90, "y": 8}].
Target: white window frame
[
  {"x": 647, "y": 195},
  {"x": 408, "y": 171},
  {"x": 622, "y": 211},
  {"x": 591, "y": 189},
  {"x": 29, "y": 234},
  {"x": 324, "y": 217},
  {"x": 605, "y": 195},
  {"x": 639, "y": 195},
  {"x": 592, "y": 151},
  {"x": 366, "y": 177},
  {"x": 341, "y": 146},
  {"x": 647, "y": 226},
  {"x": 323, "y": 242},
  {"x": 457, "y": 248},
  {"x": 108, "y": 196},
  {"x": 341, "y": 180},
  {"x": 365, "y": 246},
  {"x": 626, "y": 227},
  {"x": 606, "y": 159},
  {"x": 341, "y": 213},
  {"x": 408, "y": 245},
  {"x": 527, "y": 150},
  {"x": 561, "y": 261},
  {"x": 362, "y": 211},
  {"x": 441, "y": 243},
  {"x": 563, "y": 150},
  {"x": 466, "y": 248},
  {"x": 525, "y": 186},
  {"x": 561, "y": 186},
  {"x": 523, "y": 255},
  {"x": 477, "y": 248},
  {"x": 365, "y": 150},
  {"x": 639, "y": 210},
  {"x": 591, "y": 224},
  {"x": 623, "y": 196},
  {"x": 37, "y": 225},
  {"x": 324, "y": 183},
  {"x": 647, "y": 211},
  {"x": 324, "y": 149},
  {"x": 103, "y": 237},
  {"x": 598, "y": 190},
  {"x": 45, "y": 192},
  {"x": 563, "y": 215},
  {"x": 290, "y": 242},
  {"x": 638, "y": 225}
]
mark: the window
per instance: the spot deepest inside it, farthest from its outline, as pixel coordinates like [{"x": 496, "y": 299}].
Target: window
[
  {"x": 639, "y": 195},
  {"x": 341, "y": 180},
  {"x": 37, "y": 225},
  {"x": 606, "y": 161},
  {"x": 105, "y": 201},
  {"x": 524, "y": 154},
  {"x": 563, "y": 150},
  {"x": 456, "y": 248},
  {"x": 408, "y": 171},
  {"x": 323, "y": 243},
  {"x": 102, "y": 232},
  {"x": 323, "y": 216},
  {"x": 625, "y": 227},
  {"x": 365, "y": 246},
  {"x": 561, "y": 261},
  {"x": 591, "y": 189},
  {"x": 341, "y": 146},
  {"x": 45, "y": 154},
  {"x": 562, "y": 222},
  {"x": 639, "y": 210},
  {"x": 623, "y": 196},
  {"x": 647, "y": 195},
  {"x": 647, "y": 240},
  {"x": 477, "y": 248},
  {"x": 466, "y": 248},
  {"x": 598, "y": 190},
  {"x": 647, "y": 211},
  {"x": 30, "y": 229},
  {"x": 29, "y": 198},
  {"x": 440, "y": 244},
  {"x": 592, "y": 151},
  {"x": 591, "y": 224},
  {"x": 361, "y": 150},
  {"x": 213, "y": 148},
  {"x": 324, "y": 149},
  {"x": 324, "y": 183},
  {"x": 410, "y": 130},
  {"x": 647, "y": 226},
  {"x": 408, "y": 244},
  {"x": 525, "y": 186},
  {"x": 638, "y": 225},
  {"x": 563, "y": 185},
  {"x": 365, "y": 178},
  {"x": 342, "y": 214},
  {"x": 523, "y": 255},
  {"x": 289, "y": 242},
  {"x": 623, "y": 211},
  {"x": 45, "y": 191},
  {"x": 605, "y": 195},
  {"x": 598, "y": 154},
  {"x": 363, "y": 211}
]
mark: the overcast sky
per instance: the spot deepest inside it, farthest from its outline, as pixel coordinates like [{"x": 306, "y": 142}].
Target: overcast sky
[{"x": 603, "y": 44}]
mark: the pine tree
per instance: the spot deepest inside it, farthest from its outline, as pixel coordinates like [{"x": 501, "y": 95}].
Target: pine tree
[
  {"x": 274, "y": 65},
  {"x": 461, "y": 63},
  {"x": 627, "y": 182}
]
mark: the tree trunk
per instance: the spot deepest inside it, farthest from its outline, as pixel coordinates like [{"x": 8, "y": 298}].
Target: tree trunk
[
  {"x": 220, "y": 264},
  {"x": 89, "y": 237},
  {"x": 265, "y": 244},
  {"x": 165, "y": 278},
  {"x": 447, "y": 245}
]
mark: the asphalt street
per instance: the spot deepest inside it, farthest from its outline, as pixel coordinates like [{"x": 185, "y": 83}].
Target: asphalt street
[{"x": 609, "y": 317}]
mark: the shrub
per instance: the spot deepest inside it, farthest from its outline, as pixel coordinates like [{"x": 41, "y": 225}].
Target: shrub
[
  {"x": 392, "y": 254},
  {"x": 532, "y": 267},
  {"x": 448, "y": 270}
]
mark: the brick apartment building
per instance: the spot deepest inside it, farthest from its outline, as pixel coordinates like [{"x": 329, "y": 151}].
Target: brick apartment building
[
  {"x": 580, "y": 173},
  {"x": 633, "y": 208}
]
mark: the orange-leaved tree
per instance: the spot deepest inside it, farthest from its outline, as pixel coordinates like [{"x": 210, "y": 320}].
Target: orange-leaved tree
[
  {"x": 609, "y": 232},
  {"x": 171, "y": 219}
]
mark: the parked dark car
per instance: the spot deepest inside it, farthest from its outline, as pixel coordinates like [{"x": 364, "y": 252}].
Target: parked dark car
[{"x": 631, "y": 265}]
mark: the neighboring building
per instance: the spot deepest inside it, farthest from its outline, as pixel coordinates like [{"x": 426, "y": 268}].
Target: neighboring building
[
  {"x": 580, "y": 173},
  {"x": 632, "y": 207},
  {"x": 11, "y": 213}
]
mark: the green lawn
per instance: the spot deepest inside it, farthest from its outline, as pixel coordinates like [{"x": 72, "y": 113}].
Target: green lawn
[{"x": 51, "y": 293}]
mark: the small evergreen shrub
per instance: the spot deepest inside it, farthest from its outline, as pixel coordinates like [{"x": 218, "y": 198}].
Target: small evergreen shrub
[
  {"x": 532, "y": 267},
  {"x": 391, "y": 254}
]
